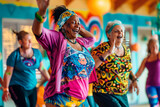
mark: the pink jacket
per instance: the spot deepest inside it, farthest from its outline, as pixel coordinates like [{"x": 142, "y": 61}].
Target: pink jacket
[{"x": 55, "y": 45}]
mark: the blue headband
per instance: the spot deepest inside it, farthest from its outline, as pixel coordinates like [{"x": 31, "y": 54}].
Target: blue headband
[
  {"x": 109, "y": 31},
  {"x": 64, "y": 17}
]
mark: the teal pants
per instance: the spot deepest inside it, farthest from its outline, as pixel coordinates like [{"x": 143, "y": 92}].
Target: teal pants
[
  {"x": 89, "y": 102},
  {"x": 110, "y": 100}
]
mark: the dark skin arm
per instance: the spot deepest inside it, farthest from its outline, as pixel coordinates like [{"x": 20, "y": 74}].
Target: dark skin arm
[
  {"x": 85, "y": 33},
  {"x": 37, "y": 26}
]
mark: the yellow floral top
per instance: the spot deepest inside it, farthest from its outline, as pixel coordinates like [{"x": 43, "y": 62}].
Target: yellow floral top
[{"x": 113, "y": 73}]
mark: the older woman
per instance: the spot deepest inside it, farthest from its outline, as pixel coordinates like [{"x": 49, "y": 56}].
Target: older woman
[
  {"x": 152, "y": 63},
  {"x": 113, "y": 68},
  {"x": 71, "y": 63}
]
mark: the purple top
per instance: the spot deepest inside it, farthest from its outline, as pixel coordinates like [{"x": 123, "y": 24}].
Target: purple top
[
  {"x": 153, "y": 72},
  {"x": 55, "y": 45}
]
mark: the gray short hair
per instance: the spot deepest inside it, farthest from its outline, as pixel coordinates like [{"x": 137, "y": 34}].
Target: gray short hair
[{"x": 111, "y": 23}]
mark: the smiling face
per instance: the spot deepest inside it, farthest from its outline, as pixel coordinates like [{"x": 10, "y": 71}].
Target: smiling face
[
  {"x": 26, "y": 41},
  {"x": 72, "y": 27},
  {"x": 116, "y": 33},
  {"x": 153, "y": 47}
]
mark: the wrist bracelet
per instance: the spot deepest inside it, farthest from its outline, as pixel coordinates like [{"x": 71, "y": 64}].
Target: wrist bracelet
[
  {"x": 136, "y": 79},
  {"x": 40, "y": 18},
  {"x": 109, "y": 52},
  {"x": 101, "y": 58},
  {"x": 5, "y": 89}
]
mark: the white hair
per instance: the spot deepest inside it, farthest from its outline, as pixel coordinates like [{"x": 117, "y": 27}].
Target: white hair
[{"x": 111, "y": 23}]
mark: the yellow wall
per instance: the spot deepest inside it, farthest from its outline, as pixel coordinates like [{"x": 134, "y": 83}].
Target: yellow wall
[{"x": 126, "y": 8}]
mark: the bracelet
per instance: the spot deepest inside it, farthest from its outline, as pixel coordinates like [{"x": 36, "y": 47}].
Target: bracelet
[
  {"x": 101, "y": 58},
  {"x": 109, "y": 52},
  {"x": 40, "y": 18},
  {"x": 136, "y": 79},
  {"x": 5, "y": 89}
]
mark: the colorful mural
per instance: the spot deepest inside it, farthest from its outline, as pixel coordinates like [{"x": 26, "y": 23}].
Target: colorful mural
[{"x": 94, "y": 24}]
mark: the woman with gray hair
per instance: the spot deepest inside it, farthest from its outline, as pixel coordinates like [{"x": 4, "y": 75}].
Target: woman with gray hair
[{"x": 113, "y": 68}]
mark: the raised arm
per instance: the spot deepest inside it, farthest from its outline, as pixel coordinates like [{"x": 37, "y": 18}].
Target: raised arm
[
  {"x": 99, "y": 59},
  {"x": 103, "y": 56},
  {"x": 38, "y": 24},
  {"x": 84, "y": 33}
]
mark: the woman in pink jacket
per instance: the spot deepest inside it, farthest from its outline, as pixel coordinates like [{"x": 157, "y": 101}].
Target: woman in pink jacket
[{"x": 71, "y": 63}]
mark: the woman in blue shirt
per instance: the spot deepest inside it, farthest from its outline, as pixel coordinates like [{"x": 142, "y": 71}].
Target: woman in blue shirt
[{"x": 19, "y": 80}]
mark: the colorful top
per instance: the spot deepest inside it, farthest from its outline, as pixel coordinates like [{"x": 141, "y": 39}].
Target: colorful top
[
  {"x": 113, "y": 73},
  {"x": 77, "y": 67},
  {"x": 55, "y": 44},
  {"x": 24, "y": 72},
  {"x": 153, "y": 72}
]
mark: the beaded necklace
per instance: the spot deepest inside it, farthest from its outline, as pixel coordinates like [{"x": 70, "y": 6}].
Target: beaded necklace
[{"x": 69, "y": 39}]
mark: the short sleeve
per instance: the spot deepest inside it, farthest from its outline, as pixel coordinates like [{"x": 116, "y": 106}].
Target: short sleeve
[
  {"x": 93, "y": 77},
  {"x": 11, "y": 59},
  {"x": 99, "y": 50},
  {"x": 48, "y": 39}
]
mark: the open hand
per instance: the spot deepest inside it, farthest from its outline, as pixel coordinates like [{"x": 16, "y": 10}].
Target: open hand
[
  {"x": 42, "y": 5},
  {"x": 5, "y": 96},
  {"x": 134, "y": 86}
]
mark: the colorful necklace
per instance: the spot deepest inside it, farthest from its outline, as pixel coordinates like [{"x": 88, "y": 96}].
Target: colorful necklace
[{"x": 72, "y": 41}]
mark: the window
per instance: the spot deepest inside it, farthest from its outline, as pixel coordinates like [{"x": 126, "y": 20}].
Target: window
[{"x": 10, "y": 42}]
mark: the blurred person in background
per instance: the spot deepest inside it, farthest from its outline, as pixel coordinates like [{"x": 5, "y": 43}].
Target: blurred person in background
[
  {"x": 152, "y": 63},
  {"x": 19, "y": 80}
]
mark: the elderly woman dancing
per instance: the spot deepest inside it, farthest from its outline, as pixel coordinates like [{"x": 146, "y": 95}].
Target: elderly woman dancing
[
  {"x": 71, "y": 63},
  {"x": 113, "y": 68}
]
